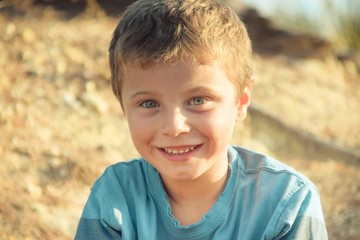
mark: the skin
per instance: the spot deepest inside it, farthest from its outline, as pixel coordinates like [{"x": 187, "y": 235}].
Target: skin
[{"x": 181, "y": 118}]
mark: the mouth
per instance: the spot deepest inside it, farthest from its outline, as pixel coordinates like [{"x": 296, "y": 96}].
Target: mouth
[{"x": 179, "y": 150}]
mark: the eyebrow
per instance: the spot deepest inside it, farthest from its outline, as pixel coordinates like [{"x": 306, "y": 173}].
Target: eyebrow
[
  {"x": 188, "y": 91},
  {"x": 142, "y": 93},
  {"x": 202, "y": 89}
]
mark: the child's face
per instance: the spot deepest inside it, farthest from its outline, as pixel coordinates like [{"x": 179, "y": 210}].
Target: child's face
[{"x": 181, "y": 116}]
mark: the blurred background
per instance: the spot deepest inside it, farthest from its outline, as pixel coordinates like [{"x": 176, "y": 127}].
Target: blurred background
[{"x": 60, "y": 125}]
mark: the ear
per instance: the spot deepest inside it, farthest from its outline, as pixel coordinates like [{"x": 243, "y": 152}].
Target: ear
[{"x": 244, "y": 101}]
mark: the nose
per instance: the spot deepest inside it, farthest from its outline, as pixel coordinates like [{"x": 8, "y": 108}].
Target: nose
[{"x": 175, "y": 123}]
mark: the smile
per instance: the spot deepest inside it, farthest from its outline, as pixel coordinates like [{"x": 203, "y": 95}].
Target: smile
[{"x": 179, "y": 150}]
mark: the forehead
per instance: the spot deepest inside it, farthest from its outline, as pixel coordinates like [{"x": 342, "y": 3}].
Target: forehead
[
  {"x": 169, "y": 70},
  {"x": 173, "y": 78}
]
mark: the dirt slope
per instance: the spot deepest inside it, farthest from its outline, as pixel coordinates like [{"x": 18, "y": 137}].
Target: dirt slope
[{"x": 60, "y": 125}]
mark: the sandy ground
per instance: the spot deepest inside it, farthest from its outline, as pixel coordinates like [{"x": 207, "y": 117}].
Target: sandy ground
[{"x": 60, "y": 125}]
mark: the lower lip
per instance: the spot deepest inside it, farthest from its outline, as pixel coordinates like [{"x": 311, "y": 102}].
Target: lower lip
[{"x": 183, "y": 157}]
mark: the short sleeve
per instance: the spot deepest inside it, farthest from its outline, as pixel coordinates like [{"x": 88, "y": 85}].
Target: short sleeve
[
  {"x": 92, "y": 224},
  {"x": 303, "y": 217}
]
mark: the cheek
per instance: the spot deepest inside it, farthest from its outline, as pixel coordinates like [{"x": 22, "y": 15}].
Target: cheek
[
  {"x": 217, "y": 125},
  {"x": 140, "y": 133}
]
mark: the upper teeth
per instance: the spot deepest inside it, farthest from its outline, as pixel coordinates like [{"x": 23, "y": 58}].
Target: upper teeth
[{"x": 179, "y": 151}]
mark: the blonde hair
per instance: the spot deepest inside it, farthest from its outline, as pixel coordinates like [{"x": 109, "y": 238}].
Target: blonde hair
[{"x": 152, "y": 31}]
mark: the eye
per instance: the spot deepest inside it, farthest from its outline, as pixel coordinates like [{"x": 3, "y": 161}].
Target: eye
[
  {"x": 197, "y": 101},
  {"x": 149, "y": 104}
]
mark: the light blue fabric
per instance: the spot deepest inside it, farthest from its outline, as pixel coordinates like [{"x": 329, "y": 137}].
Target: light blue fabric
[{"x": 263, "y": 199}]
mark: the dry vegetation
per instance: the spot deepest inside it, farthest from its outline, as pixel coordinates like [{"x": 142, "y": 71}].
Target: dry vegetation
[{"x": 60, "y": 125}]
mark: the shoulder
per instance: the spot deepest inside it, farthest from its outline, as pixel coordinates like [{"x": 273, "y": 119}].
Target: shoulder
[
  {"x": 122, "y": 176},
  {"x": 291, "y": 200},
  {"x": 270, "y": 180},
  {"x": 113, "y": 198},
  {"x": 254, "y": 163}
]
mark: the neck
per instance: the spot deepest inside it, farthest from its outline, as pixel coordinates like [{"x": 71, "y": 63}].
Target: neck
[
  {"x": 197, "y": 189},
  {"x": 191, "y": 200}
]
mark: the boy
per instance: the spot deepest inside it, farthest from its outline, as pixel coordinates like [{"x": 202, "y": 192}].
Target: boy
[{"x": 182, "y": 73}]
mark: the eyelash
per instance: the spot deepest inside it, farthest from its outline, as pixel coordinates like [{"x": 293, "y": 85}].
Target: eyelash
[
  {"x": 153, "y": 103},
  {"x": 202, "y": 99}
]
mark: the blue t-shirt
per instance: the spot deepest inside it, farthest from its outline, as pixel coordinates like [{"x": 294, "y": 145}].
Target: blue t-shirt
[{"x": 263, "y": 199}]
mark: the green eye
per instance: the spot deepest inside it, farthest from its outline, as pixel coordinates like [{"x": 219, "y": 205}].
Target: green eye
[
  {"x": 149, "y": 104},
  {"x": 197, "y": 101}
]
